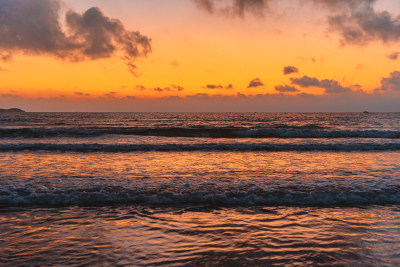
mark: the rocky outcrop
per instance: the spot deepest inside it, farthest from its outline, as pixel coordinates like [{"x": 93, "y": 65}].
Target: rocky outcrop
[{"x": 12, "y": 110}]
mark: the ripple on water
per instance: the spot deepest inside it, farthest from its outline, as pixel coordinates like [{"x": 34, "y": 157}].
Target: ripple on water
[{"x": 184, "y": 236}]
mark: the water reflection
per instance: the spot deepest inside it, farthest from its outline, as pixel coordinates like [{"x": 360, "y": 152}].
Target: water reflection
[
  {"x": 243, "y": 236},
  {"x": 227, "y": 178}
]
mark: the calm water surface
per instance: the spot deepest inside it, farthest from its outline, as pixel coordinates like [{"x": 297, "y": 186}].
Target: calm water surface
[{"x": 200, "y": 189}]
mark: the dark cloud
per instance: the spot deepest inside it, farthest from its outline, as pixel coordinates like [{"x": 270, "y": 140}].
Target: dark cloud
[
  {"x": 178, "y": 88},
  {"x": 340, "y": 4},
  {"x": 255, "y": 83},
  {"x": 333, "y": 87},
  {"x": 218, "y": 86},
  {"x": 140, "y": 87},
  {"x": 159, "y": 89},
  {"x": 290, "y": 69},
  {"x": 286, "y": 89},
  {"x": 172, "y": 88},
  {"x": 206, "y": 4},
  {"x": 357, "y": 21},
  {"x": 240, "y": 7},
  {"x": 234, "y": 7},
  {"x": 305, "y": 81},
  {"x": 213, "y": 86},
  {"x": 33, "y": 27},
  {"x": 169, "y": 89},
  {"x": 111, "y": 94},
  {"x": 81, "y": 94},
  {"x": 392, "y": 82},
  {"x": 330, "y": 86},
  {"x": 393, "y": 56},
  {"x": 201, "y": 95}
]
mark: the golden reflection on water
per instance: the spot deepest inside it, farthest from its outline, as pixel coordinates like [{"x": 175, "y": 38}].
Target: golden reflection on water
[
  {"x": 224, "y": 168},
  {"x": 189, "y": 233},
  {"x": 151, "y": 236}
]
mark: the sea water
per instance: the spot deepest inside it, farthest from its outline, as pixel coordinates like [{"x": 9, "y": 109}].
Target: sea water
[{"x": 200, "y": 189}]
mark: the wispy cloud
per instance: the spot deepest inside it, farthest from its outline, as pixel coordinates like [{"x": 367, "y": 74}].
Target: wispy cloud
[
  {"x": 234, "y": 7},
  {"x": 393, "y": 55},
  {"x": 357, "y": 21},
  {"x": 218, "y": 86},
  {"x": 286, "y": 89},
  {"x": 172, "y": 88},
  {"x": 81, "y": 94}
]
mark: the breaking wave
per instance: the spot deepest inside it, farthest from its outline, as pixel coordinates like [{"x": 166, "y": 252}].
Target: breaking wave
[
  {"x": 15, "y": 196},
  {"x": 241, "y": 147},
  {"x": 273, "y": 132}
]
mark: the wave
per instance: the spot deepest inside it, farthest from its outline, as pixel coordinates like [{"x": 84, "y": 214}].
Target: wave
[
  {"x": 241, "y": 147},
  {"x": 223, "y": 132},
  {"x": 10, "y": 196}
]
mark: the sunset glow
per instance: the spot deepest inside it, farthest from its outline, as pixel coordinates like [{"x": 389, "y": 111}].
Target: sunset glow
[
  {"x": 195, "y": 49},
  {"x": 199, "y": 133}
]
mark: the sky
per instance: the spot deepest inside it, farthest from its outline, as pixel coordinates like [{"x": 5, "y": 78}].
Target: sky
[{"x": 200, "y": 55}]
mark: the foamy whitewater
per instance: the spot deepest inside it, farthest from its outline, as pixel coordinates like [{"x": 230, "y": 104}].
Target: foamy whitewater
[{"x": 200, "y": 189}]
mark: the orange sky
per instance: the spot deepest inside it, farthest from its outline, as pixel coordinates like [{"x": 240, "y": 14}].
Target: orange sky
[{"x": 192, "y": 48}]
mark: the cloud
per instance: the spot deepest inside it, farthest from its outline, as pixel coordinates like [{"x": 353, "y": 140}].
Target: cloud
[
  {"x": 172, "y": 88},
  {"x": 205, "y": 4},
  {"x": 218, "y": 86},
  {"x": 234, "y": 7},
  {"x": 306, "y": 81},
  {"x": 175, "y": 64},
  {"x": 391, "y": 83},
  {"x": 33, "y": 27},
  {"x": 330, "y": 86},
  {"x": 348, "y": 102},
  {"x": 357, "y": 21},
  {"x": 255, "y": 83},
  {"x": 339, "y": 4},
  {"x": 111, "y": 95},
  {"x": 81, "y": 94},
  {"x": 286, "y": 89},
  {"x": 393, "y": 56},
  {"x": 169, "y": 89},
  {"x": 140, "y": 87},
  {"x": 7, "y": 95},
  {"x": 178, "y": 88},
  {"x": 290, "y": 69},
  {"x": 5, "y": 56}
]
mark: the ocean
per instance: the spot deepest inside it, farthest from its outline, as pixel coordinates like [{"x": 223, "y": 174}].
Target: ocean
[{"x": 200, "y": 189}]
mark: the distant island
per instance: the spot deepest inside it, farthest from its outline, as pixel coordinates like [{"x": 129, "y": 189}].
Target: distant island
[{"x": 12, "y": 110}]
